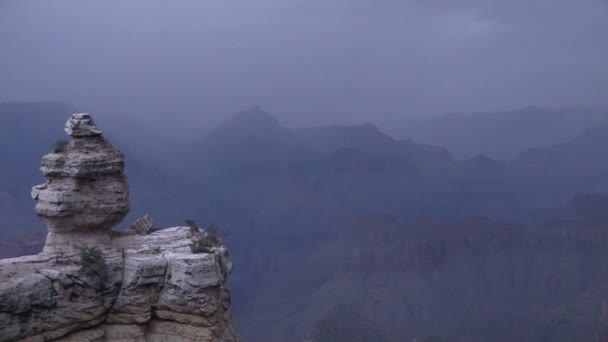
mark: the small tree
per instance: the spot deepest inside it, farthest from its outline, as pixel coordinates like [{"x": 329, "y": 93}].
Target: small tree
[
  {"x": 60, "y": 146},
  {"x": 92, "y": 261},
  {"x": 193, "y": 225},
  {"x": 214, "y": 234}
]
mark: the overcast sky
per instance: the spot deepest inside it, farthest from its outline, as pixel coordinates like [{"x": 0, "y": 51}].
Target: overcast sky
[{"x": 307, "y": 61}]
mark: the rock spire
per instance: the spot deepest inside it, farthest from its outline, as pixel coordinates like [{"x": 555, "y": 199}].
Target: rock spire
[{"x": 86, "y": 192}]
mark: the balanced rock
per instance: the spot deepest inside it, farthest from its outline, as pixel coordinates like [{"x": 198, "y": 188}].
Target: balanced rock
[{"x": 86, "y": 193}]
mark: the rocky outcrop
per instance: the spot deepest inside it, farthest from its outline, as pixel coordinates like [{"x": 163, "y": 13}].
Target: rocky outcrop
[
  {"x": 155, "y": 289},
  {"x": 146, "y": 286},
  {"x": 86, "y": 193}
]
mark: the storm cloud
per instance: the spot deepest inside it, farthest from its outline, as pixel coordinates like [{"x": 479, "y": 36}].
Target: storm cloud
[{"x": 309, "y": 62}]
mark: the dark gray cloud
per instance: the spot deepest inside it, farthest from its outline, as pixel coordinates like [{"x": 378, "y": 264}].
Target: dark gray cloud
[{"x": 308, "y": 61}]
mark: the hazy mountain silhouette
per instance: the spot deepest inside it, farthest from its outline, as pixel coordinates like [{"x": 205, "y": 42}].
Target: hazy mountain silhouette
[
  {"x": 565, "y": 169},
  {"x": 324, "y": 214},
  {"x": 502, "y": 135},
  {"x": 252, "y": 156}
]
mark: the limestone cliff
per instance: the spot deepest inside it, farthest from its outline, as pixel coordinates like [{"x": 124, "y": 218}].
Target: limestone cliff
[{"x": 152, "y": 287}]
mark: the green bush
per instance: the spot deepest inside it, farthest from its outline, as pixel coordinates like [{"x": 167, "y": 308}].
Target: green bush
[
  {"x": 92, "y": 261},
  {"x": 202, "y": 245},
  {"x": 214, "y": 234},
  {"x": 212, "y": 237},
  {"x": 60, "y": 146}
]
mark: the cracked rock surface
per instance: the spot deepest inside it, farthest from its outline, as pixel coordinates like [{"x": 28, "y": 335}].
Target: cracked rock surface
[{"x": 155, "y": 290}]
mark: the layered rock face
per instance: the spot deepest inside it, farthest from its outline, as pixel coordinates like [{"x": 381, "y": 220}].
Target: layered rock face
[
  {"x": 150, "y": 287},
  {"x": 155, "y": 289}
]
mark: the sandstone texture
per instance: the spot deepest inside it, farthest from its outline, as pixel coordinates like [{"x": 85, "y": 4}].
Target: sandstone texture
[{"x": 152, "y": 287}]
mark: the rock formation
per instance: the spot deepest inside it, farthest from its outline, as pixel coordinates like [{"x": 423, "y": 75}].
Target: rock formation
[
  {"x": 86, "y": 193},
  {"x": 143, "y": 287}
]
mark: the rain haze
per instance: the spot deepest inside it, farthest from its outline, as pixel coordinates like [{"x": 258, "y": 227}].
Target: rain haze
[
  {"x": 304, "y": 170},
  {"x": 186, "y": 65}
]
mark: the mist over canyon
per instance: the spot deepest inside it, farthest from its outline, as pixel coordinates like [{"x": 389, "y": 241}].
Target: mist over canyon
[
  {"x": 332, "y": 225},
  {"x": 304, "y": 170}
]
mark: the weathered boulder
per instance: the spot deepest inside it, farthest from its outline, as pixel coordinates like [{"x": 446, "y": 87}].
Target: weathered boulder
[{"x": 143, "y": 226}]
